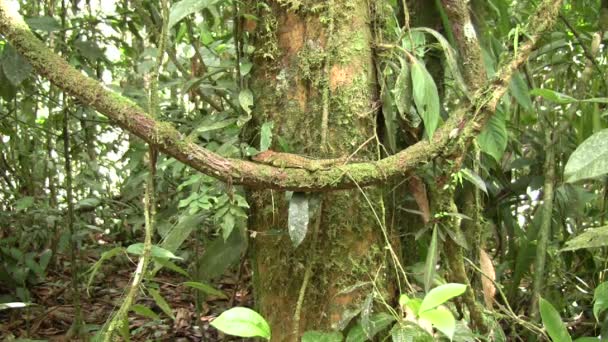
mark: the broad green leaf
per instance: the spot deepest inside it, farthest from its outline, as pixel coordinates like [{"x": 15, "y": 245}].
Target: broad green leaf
[
  {"x": 378, "y": 322},
  {"x": 587, "y": 339},
  {"x": 298, "y": 217},
  {"x": 442, "y": 319},
  {"x": 321, "y": 336},
  {"x": 493, "y": 138},
  {"x": 600, "y": 300},
  {"x": 553, "y": 96},
  {"x": 440, "y": 295},
  {"x": 220, "y": 254},
  {"x": 431, "y": 262},
  {"x": 519, "y": 90},
  {"x": 591, "y": 238},
  {"x": 227, "y": 224},
  {"x": 157, "y": 252},
  {"x": 403, "y": 300},
  {"x": 15, "y": 67},
  {"x": 590, "y": 159},
  {"x": 215, "y": 125},
  {"x": 409, "y": 332},
  {"x": 475, "y": 179},
  {"x": 161, "y": 302},
  {"x": 366, "y": 311},
  {"x": 246, "y": 100},
  {"x": 87, "y": 204},
  {"x": 206, "y": 288},
  {"x": 145, "y": 311},
  {"x": 266, "y": 135},
  {"x": 242, "y": 322},
  {"x": 403, "y": 90},
  {"x": 89, "y": 49},
  {"x": 553, "y": 322},
  {"x": 426, "y": 97},
  {"x": 47, "y": 24},
  {"x": 450, "y": 55},
  {"x": 184, "y": 8}
]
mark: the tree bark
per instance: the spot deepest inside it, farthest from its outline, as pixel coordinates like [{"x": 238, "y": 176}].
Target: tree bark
[{"x": 310, "y": 64}]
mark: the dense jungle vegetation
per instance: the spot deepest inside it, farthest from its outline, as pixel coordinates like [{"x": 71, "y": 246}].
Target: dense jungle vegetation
[{"x": 303, "y": 170}]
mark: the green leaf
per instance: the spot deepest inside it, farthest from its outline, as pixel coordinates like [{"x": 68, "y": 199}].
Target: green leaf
[
  {"x": 402, "y": 92},
  {"x": 519, "y": 90},
  {"x": 441, "y": 294},
  {"x": 442, "y": 319},
  {"x": 161, "y": 302},
  {"x": 390, "y": 119},
  {"x": 87, "y": 204},
  {"x": 47, "y": 24},
  {"x": 246, "y": 100},
  {"x": 493, "y": 138},
  {"x": 596, "y": 100},
  {"x": 590, "y": 159},
  {"x": 298, "y": 217},
  {"x": 97, "y": 265},
  {"x": 426, "y": 97},
  {"x": 600, "y": 300},
  {"x": 145, "y": 311},
  {"x": 157, "y": 252},
  {"x": 587, "y": 339},
  {"x": 553, "y": 96},
  {"x": 378, "y": 322},
  {"x": 220, "y": 254},
  {"x": 591, "y": 238},
  {"x": 266, "y": 135},
  {"x": 15, "y": 67},
  {"x": 431, "y": 262},
  {"x": 321, "y": 336},
  {"x": 450, "y": 55},
  {"x": 184, "y": 8},
  {"x": 475, "y": 179},
  {"x": 208, "y": 289},
  {"x": 409, "y": 332},
  {"x": 173, "y": 267},
  {"x": 207, "y": 127},
  {"x": 24, "y": 203},
  {"x": 553, "y": 322},
  {"x": 242, "y": 322},
  {"x": 227, "y": 225}
]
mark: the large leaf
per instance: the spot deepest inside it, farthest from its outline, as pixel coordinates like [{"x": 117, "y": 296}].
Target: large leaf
[
  {"x": 440, "y": 295},
  {"x": 553, "y": 322},
  {"x": 184, "y": 8},
  {"x": 591, "y": 238},
  {"x": 600, "y": 300},
  {"x": 266, "y": 136},
  {"x": 161, "y": 302},
  {"x": 426, "y": 97},
  {"x": 378, "y": 322},
  {"x": 298, "y": 217},
  {"x": 15, "y": 67},
  {"x": 493, "y": 137},
  {"x": 48, "y": 24},
  {"x": 242, "y": 322},
  {"x": 220, "y": 255},
  {"x": 450, "y": 55},
  {"x": 590, "y": 159},
  {"x": 519, "y": 90},
  {"x": 409, "y": 332},
  {"x": 442, "y": 319}
]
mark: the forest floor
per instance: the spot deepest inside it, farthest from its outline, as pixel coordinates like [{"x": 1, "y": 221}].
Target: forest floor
[{"x": 52, "y": 315}]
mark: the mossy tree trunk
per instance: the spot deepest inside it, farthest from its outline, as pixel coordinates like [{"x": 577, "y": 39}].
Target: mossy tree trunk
[{"x": 314, "y": 59}]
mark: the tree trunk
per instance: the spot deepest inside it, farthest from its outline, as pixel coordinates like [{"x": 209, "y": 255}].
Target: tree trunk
[{"x": 315, "y": 80}]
